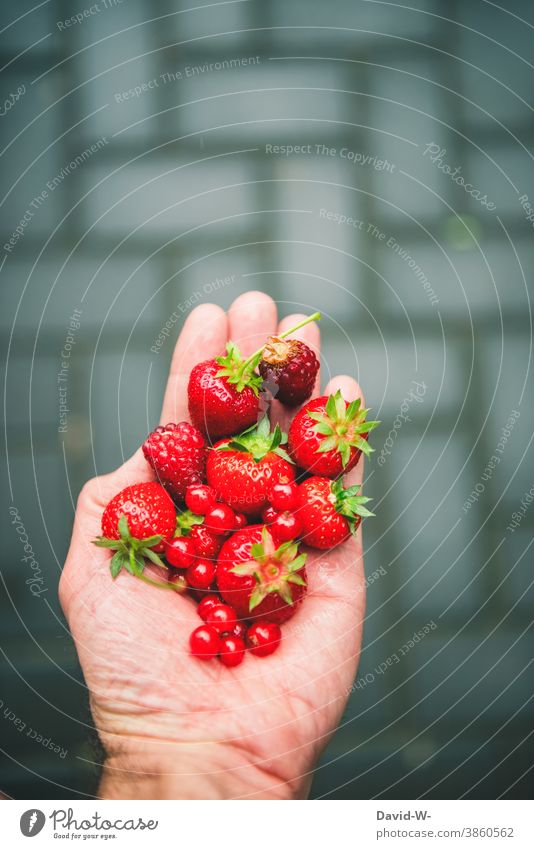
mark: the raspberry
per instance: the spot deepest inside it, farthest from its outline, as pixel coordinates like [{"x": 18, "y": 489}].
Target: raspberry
[
  {"x": 177, "y": 453},
  {"x": 292, "y": 366}
]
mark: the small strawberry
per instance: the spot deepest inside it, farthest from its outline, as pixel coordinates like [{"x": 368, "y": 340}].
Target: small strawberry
[
  {"x": 137, "y": 520},
  {"x": 328, "y": 512},
  {"x": 291, "y": 366},
  {"x": 177, "y": 453},
  {"x": 259, "y": 579},
  {"x": 190, "y": 525},
  {"x": 224, "y": 393},
  {"x": 328, "y": 435},
  {"x": 243, "y": 469}
]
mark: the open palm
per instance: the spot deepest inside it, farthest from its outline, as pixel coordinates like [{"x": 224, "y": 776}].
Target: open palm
[{"x": 200, "y": 729}]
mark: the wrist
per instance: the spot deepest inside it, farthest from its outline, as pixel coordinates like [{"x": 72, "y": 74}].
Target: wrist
[{"x": 170, "y": 770}]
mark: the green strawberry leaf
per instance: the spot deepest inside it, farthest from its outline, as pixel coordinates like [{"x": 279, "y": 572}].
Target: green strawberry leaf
[
  {"x": 153, "y": 556},
  {"x": 116, "y": 563},
  {"x": 104, "y": 542}
]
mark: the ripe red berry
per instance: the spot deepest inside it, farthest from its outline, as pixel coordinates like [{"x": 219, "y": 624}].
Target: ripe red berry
[
  {"x": 207, "y": 604},
  {"x": 220, "y": 520},
  {"x": 207, "y": 544},
  {"x": 200, "y": 499},
  {"x": 240, "y": 630},
  {"x": 177, "y": 579},
  {"x": 201, "y": 574},
  {"x": 263, "y": 638},
  {"x": 232, "y": 651},
  {"x": 292, "y": 367},
  {"x": 284, "y": 496},
  {"x": 240, "y": 520},
  {"x": 269, "y": 515},
  {"x": 177, "y": 453},
  {"x": 286, "y": 526},
  {"x": 180, "y": 552},
  {"x": 204, "y": 642},
  {"x": 223, "y": 618}
]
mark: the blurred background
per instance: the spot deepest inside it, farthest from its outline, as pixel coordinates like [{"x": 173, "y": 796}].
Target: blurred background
[{"x": 370, "y": 159}]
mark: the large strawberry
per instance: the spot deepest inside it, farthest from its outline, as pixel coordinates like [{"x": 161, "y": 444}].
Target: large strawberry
[
  {"x": 258, "y": 579},
  {"x": 134, "y": 523},
  {"x": 328, "y": 435},
  {"x": 177, "y": 453},
  {"x": 328, "y": 512},
  {"x": 243, "y": 469},
  {"x": 224, "y": 393}
]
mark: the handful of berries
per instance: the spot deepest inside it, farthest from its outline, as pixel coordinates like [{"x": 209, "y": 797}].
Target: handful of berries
[{"x": 234, "y": 499}]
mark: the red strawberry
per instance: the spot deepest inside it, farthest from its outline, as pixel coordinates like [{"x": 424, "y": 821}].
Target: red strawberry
[
  {"x": 258, "y": 579},
  {"x": 224, "y": 394},
  {"x": 136, "y": 521},
  {"x": 177, "y": 453},
  {"x": 243, "y": 470},
  {"x": 292, "y": 367},
  {"x": 328, "y": 512},
  {"x": 327, "y": 436}
]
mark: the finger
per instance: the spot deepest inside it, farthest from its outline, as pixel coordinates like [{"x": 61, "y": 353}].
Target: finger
[
  {"x": 204, "y": 335},
  {"x": 311, "y": 335},
  {"x": 251, "y": 319},
  {"x": 350, "y": 390}
]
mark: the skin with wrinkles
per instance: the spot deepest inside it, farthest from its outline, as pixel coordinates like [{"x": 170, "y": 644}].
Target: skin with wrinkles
[{"x": 173, "y": 727}]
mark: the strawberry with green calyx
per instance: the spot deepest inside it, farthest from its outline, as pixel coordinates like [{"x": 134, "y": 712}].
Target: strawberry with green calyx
[
  {"x": 135, "y": 524},
  {"x": 329, "y": 513},
  {"x": 223, "y": 393},
  {"x": 328, "y": 435},
  {"x": 243, "y": 470},
  {"x": 260, "y": 579},
  {"x": 130, "y": 552}
]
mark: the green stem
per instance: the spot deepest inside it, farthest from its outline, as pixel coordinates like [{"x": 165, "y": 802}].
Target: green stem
[
  {"x": 315, "y": 317},
  {"x": 160, "y": 584}
]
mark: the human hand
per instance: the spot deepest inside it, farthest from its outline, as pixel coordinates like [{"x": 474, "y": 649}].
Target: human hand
[{"x": 173, "y": 727}]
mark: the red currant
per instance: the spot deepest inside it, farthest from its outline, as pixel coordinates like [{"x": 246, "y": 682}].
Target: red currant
[
  {"x": 286, "y": 526},
  {"x": 223, "y": 618},
  {"x": 232, "y": 651},
  {"x": 240, "y": 520},
  {"x": 263, "y": 638},
  {"x": 177, "y": 579},
  {"x": 200, "y": 498},
  {"x": 220, "y": 519},
  {"x": 269, "y": 515},
  {"x": 240, "y": 630},
  {"x": 204, "y": 642},
  {"x": 180, "y": 552},
  {"x": 284, "y": 496},
  {"x": 201, "y": 574},
  {"x": 207, "y": 604}
]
